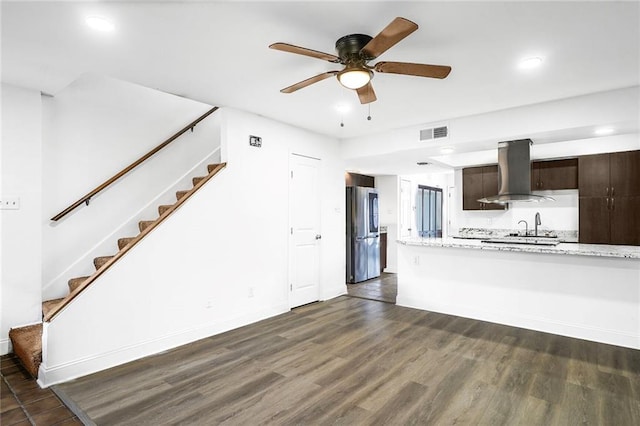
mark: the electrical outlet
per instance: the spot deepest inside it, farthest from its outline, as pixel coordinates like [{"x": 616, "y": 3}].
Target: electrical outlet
[
  {"x": 10, "y": 203},
  {"x": 416, "y": 260},
  {"x": 250, "y": 291}
]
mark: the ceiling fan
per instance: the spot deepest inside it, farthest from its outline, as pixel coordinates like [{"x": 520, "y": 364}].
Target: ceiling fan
[{"x": 355, "y": 51}]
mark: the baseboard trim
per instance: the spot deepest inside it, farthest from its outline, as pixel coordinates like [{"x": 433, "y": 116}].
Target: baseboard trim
[
  {"x": 5, "y": 346},
  {"x": 546, "y": 325},
  {"x": 52, "y": 375},
  {"x": 334, "y": 292}
]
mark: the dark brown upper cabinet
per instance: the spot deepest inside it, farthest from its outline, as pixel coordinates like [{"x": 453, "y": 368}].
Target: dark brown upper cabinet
[
  {"x": 554, "y": 174},
  {"x": 609, "y": 175},
  {"x": 479, "y": 182},
  {"x": 609, "y": 198}
]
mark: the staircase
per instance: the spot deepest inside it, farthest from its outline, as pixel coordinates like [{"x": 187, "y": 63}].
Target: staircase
[{"x": 27, "y": 340}]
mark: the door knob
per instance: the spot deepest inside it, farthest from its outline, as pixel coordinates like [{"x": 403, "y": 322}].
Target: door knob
[{"x": 318, "y": 236}]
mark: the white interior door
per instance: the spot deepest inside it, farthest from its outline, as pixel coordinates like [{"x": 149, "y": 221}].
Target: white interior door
[
  {"x": 405, "y": 208},
  {"x": 304, "y": 219}
]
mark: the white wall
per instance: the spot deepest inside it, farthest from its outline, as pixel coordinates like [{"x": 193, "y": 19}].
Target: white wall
[
  {"x": 388, "y": 199},
  {"x": 92, "y": 129},
  {"x": 190, "y": 277},
  {"x": 558, "y": 215},
  {"x": 586, "y": 297},
  {"x": 21, "y": 235}
]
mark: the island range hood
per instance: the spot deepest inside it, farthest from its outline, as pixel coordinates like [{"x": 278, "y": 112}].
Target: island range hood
[{"x": 514, "y": 174}]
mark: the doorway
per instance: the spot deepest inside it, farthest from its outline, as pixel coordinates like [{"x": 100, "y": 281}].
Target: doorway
[
  {"x": 383, "y": 288},
  {"x": 304, "y": 233}
]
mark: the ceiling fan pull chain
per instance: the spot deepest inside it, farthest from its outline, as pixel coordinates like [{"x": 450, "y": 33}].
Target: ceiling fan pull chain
[{"x": 369, "y": 116}]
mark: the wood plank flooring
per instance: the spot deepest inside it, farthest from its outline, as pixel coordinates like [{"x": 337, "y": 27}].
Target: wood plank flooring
[
  {"x": 353, "y": 361},
  {"x": 384, "y": 288}
]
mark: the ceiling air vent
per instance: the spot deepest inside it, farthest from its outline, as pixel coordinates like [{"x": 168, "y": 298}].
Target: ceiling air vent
[{"x": 434, "y": 133}]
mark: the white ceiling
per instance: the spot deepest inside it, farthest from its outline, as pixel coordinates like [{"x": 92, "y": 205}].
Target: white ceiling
[{"x": 216, "y": 52}]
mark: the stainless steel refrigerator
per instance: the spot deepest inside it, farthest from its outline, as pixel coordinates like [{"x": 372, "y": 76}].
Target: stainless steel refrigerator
[{"x": 363, "y": 236}]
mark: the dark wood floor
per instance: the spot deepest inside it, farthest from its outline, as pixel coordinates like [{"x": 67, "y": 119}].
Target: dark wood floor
[
  {"x": 354, "y": 361},
  {"x": 384, "y": 288},
  {"x": 23, "y": 403}
]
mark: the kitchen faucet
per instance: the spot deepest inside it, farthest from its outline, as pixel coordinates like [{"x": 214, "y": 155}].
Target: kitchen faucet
[
  {"x": 538, "y": 222},
  {"x": 526, "y": 227}
]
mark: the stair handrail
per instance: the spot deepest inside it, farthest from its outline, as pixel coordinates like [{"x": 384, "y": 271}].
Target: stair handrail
[{"x": 86, "y": 198}]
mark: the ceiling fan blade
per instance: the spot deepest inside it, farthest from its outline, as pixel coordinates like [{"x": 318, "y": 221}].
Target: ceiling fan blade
[
  {"x": 420, "y": 70},
  {"x": 398, "y": 29},
  {"x": 285, "y": 47},
  {"x": 304, "y": 83},
  {"x": 366, "y": 94}
]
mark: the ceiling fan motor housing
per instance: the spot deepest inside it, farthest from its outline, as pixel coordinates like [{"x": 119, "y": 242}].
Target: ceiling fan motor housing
[{"x": 349, "y": 46}]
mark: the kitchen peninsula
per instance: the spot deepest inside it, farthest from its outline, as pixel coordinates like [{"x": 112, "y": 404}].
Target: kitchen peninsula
[{"x": 587, "y": 291}]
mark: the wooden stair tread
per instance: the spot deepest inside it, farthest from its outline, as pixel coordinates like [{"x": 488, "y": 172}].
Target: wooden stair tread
[
  {"x": 48, "y": 305},
  {"x": 123, "y": 242},
  {"x": 212, "y": 167},
  {"x": 75, "y": 282},
  {"x": 181, "y": 194},
  {"x": 27, "y": 345},
  {"x": 197, "y": 180},
  {"x": 164, "y": 208},
  {"x": 143, "y": 224},
  {"x": 99, "y": 262}
]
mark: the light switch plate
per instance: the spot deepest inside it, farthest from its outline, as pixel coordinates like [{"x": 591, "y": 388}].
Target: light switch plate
[{"x": 10, "y": 203}]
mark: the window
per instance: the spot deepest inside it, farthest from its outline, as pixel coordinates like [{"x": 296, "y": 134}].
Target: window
[{"x": 429, "y": 211}]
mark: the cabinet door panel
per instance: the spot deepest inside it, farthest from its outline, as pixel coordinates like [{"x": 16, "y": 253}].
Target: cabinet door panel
[
  {"x": 594, "y": 220},
  {"x": 471, "y": 188},
  {"x": 558, "y": 174},
  {"x": 625, "y": 173},
  {"x": 593, "y": 175},
  {"x": 490, "y": 186},
  {"x": 535, "y": 175},
  {"x": 625, "y": 221}
]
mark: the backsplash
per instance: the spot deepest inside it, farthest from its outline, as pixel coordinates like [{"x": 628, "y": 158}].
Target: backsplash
[{"x": 559, "y": 215}]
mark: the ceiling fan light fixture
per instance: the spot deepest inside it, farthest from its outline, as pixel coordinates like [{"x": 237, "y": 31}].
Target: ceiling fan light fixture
[{"x": 354, "y": 77}]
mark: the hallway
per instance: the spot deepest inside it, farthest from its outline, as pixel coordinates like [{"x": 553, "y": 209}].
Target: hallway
[{"x": 383, "y": 289}]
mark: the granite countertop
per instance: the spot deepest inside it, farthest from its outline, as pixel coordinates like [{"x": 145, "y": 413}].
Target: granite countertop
[
  {"x": 482, "y": 234},
  {"x": 600, "y": 250}
]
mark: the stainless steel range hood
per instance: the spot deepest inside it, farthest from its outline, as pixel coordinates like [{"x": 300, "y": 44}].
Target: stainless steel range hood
[{"x": 514, "y": 174}]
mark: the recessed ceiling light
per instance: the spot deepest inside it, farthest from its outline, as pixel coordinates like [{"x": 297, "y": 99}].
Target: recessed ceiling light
[
  {"x": 342, "y": 108},
  {"x": 99, "y": 23},
  {"x": 446, "y": 150},
  {"x": 423, "y": 163},
  {"x": 532, "y": 62},
  {"x": 604, "y": 131}
]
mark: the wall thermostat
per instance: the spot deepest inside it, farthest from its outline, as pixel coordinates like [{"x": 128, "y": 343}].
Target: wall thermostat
[{"x": 255, "y": 141}]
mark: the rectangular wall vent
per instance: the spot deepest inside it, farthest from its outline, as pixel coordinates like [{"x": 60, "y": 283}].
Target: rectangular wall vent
[{"x": 434, "y": 133}]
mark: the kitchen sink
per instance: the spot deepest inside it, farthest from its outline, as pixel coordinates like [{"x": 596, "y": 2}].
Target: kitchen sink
[
  {"x": 529, "y": 240},
  {"x": 515, "y": 234}
]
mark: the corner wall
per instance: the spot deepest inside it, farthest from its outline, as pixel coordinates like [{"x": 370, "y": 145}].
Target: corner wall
[{"x": 20, "y": 253}]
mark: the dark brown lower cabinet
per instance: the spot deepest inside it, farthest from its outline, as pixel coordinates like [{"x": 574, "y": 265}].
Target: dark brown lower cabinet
[
  {"x": 594, "y": 220},
  {"x": 606, "y": 220},
  {"x": 625, "y": 220}
]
